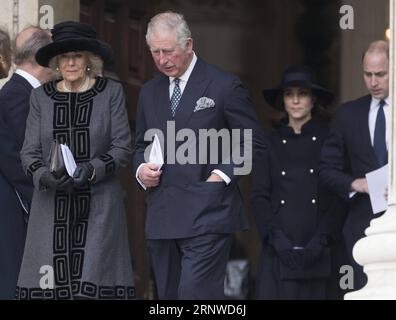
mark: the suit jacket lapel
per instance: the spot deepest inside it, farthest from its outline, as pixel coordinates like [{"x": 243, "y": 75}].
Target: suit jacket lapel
[
  {"x": 195, "y": 88},
  {"x": 196, "y": 85},
  {"x": 365, "y": 131},
  {"x": 162, "y": 107},
  {"x": 162, "y": 110}
]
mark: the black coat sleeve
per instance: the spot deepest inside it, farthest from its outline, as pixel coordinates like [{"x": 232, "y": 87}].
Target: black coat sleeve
[
  {"x": 10, "y": 162},
  {"x": 334, "y": 158},
  {"x": 261, "y": 193}
]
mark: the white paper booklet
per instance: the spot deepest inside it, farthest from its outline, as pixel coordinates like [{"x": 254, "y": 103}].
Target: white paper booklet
[
  {"x": 68, "y": 159},
  {"x": 377, "y": 181},
  {"x": 156, "y": 153}
]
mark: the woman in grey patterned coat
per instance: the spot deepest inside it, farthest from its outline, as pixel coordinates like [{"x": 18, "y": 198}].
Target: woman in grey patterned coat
[{"x": 77, "y": 244}]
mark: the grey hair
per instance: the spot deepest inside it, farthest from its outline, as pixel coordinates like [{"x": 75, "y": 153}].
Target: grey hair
[
  {"x": 378, "y": 46},
  {"x": 5, "y": 46},
  {"x": 95, "y": 65},
  {"x": 26, "y": 51},
  {"x": 169, "y": 21}
]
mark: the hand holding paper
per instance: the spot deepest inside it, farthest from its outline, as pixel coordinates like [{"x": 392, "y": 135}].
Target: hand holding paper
[
  {"x": 156, "y": 153},
  {"x": 148, "y": 174},
  {"x": 377, "y": 183}
]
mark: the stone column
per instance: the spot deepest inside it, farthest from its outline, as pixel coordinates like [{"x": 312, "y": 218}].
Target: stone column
[{"x": 377, "y": 251}]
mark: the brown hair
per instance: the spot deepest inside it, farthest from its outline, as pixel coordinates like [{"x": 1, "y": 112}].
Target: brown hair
[{"x": 5, "y": 49}]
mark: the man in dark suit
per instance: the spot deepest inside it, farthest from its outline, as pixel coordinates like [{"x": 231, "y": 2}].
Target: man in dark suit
[
  {"x": 16, "y": 188},
  {"x": 193, "y": 208},
  {"x": 358, "y": 145}
]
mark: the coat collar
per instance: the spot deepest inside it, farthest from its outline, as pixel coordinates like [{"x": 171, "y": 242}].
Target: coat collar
[
  {"x": 312, "y": 126},
  {"x": 22, "y": 81},
  {"x": 33, "y": 81}
]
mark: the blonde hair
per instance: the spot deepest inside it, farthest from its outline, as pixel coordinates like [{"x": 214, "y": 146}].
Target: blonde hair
[{"x": 94, "y": 67}]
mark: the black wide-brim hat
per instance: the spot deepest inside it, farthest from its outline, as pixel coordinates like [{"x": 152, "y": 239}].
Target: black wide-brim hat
[
  {"x": 298, "y": 76},
  {"x": 73, "y": 36}
]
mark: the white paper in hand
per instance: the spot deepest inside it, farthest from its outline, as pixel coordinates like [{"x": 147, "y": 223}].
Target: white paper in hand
[
  {"x": 156, "y": 153},
  {"x": 68, "y": 158},
  {"x": 377, "y": 182}
]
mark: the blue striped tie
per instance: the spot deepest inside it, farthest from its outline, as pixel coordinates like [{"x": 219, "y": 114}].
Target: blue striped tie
[
  {"x": 176, "y": 96},
  {"x": 379, "y": 136}
]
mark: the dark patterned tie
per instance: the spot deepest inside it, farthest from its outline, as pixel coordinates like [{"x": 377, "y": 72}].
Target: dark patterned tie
[
  {"x": 176, "y": 96},
  {"x": 379, "y": 136}
]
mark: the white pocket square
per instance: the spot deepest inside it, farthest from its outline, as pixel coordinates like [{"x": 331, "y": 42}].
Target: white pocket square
[{"x": 204, "y": 103}]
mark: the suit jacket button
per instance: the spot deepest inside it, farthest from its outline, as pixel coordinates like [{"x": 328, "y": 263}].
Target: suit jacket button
[
  {"x": 313, "y": 138},
  {"x": 313, "y": 201},
  {"x": 283, "y": 201},
  {"x": 283, "y": 173},
  {"x": 284, "y": 141}
]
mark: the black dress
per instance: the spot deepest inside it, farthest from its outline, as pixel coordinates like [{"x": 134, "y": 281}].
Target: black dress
[{"x": 287, "y": 199}]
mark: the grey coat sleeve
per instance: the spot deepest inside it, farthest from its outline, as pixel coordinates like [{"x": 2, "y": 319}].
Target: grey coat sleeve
[{"x": 120, "y": 150}]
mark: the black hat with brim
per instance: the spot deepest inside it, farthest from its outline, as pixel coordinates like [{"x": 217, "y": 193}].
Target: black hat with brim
[
  {"x": 73, "y": 36},
  {"x": 298, "y": 76}
]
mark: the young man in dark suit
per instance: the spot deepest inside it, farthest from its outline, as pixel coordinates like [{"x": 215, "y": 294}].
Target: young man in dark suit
[
  {"x": 16, "y": 188},
  {"x": 194, "y": 208},
  {"x": 357, "y": 145}
]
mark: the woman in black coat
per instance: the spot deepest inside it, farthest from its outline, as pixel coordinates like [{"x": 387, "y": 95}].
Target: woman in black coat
[{"x": 298, "y": 221}]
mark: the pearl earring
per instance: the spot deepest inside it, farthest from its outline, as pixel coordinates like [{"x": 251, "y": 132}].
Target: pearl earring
[
  {"x": 88, "y": 69},
  {"x": 57, "y": 68}
]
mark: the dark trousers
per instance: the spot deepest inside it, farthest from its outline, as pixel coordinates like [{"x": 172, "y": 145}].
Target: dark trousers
[
  {"x": 192, "y": 268},
  {"x": 12, "y": 239}
]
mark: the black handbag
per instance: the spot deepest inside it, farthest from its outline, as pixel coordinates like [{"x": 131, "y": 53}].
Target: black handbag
[
  {"x": 319, "y": 270},
  {"x": 56, "y": 163}
]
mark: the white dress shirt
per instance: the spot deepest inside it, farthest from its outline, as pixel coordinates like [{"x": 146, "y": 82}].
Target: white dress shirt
[{"x": 183, "y": 78}]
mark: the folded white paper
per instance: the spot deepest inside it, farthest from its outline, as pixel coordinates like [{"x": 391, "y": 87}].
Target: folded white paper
[
  {"x": 156, "y": 156},
  {"x": 377, "y": 181},
  {"x": 68, "y": 159}
]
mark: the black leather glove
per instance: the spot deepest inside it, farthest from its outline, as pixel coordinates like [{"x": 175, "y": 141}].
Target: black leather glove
[
  {"x": 82, "y": 173},
  {"x": 293, "y": 258},
  {"x": 49, "y": 181},
  {"x": 284, "y": 249},
  {"x": 313, "y": 251}
]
